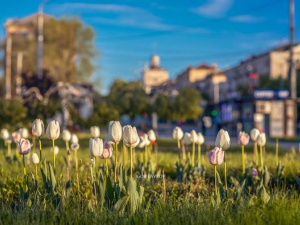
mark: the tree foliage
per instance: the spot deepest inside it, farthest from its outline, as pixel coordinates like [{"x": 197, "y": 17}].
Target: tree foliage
[
  {"x": 128, "y": 98},
  {"x": 68, "y": 50},
  {"x": 12, "y": 113}
]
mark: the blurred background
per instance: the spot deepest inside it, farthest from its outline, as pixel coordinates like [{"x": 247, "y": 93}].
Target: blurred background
[{"x": 200, "y": 65}]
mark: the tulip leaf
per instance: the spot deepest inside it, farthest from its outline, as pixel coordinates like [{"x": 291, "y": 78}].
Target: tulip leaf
[
  {"x": 121, "y": 204},
  {"x": 263, "y": 195}
]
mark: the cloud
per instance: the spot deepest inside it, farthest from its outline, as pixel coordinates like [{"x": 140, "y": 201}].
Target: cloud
[
  {"x": 277, "y": 42},
  {"x": 66, "y": 7},
  {"x": 132, "y": 22},
  {"x": 213, "y": 8},
  {"x": 246, "y": 19}
]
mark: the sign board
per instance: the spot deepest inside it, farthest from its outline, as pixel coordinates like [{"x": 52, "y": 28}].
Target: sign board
[{"x": 271, "y": 94}]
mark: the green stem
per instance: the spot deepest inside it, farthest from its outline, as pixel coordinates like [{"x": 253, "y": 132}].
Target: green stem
[
  {"x": 9, "y": 149},
  {"x": 277, "y": 161},
  {"x": 146, "y": 156},
  {"x": 33, "y": 143},
  {"x": 261, "y": 158},
  {"x": 225, "y": 169},
  {"x": 256, "y": 153},
  {"x": 124, "y": 155},
  {"x": 216, "y": 190},
  {"x": 76, "y": 167},
  {"x": 243, "y": 158},
  {"x": 67, "y": 145},
  {"x": 36, "y": 171},
  {"x": 106, "y": 163},
  {"x": 199, "y": 155},
  {"x": 131, "y": 161},
  {"x": 116, "y": 162},
  {"x": 53, "y": 144},
  {"x": 24, "y": 169},
  {"x": 178, "y": 143},
  {"x": 40, "y": 147},
  {"x": 193, "y": 156}
]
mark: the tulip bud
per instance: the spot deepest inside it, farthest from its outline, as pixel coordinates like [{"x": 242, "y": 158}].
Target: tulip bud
[
  {"x": 142, "y": 142},
  {"x": 75, "y": 146},
  {"x": 74, "y": 138},
  {"x": 56, "y": 150},
  {"x": 194, "y": 136},
  {"x": 4, "y": 134},
  {"x": 187, "y": 138},
  {"x": 35, "y": 158},
  {"x": 177, "y": 133},
  {"x": 107, "y": 151},
  {"x": 223, "y": 140},
  {"x": 95, "y": 131},
  {"x": 254, "y": 134},
  {"x": 24, "y": 147},
  {"x": 24, "y": 133},
  {"x": 53, "y": 130},
  {"x": 243, "y": 138},
  {"x": 254, "y": 172},
  {"x": 38, "y": 128},
  {"x": 201, "y": 139},
  {"x": 151, "y": 135},
  {"x": 115, "y": 131},
  {"x": 16, "y": 136},
  {"x": 261, "y": 139},
  {"x": 130, "y": 136},
  {"x": 66, "y": 135},
  {"x": 96, "y": 147},
  {"x": 216, "y": 156}
]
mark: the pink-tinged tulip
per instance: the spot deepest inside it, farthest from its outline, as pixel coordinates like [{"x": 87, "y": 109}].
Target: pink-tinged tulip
[
  {"x": 16, "y": 136},
  {"x": 243, "y": 138},
  {"x": 254, "y": 172},
  {"x": 107, "y": 151},
  {"x": 24, "y": 147},
  {"x": 216, "y": 156}
]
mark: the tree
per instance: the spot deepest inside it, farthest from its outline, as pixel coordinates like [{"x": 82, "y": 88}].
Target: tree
[
  {"x": 13, "y": 113},
  {"x": 163, "y": 106},
  {"x": 266, "y": 82},
  {"x": 67, "y": 53},
  {"x": 187, "y": 105},
  {"x": 128, "y": 98}
]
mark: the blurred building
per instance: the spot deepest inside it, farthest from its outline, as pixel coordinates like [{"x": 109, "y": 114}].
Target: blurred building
[
  {"x": 154, "y": 75},
  {"x": 274, "y": 63}
]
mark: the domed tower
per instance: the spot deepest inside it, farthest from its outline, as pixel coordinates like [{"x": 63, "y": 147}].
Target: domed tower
[{"x": 154, "y": 75}]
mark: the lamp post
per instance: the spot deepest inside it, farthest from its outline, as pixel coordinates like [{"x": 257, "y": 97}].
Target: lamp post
[{"x": 40, "y": 39}]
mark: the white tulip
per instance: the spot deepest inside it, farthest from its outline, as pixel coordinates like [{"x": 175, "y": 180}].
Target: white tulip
[
  {"x": 74, "y": 138},
  {"x": 4, "y": 134},
  {"x": 201, "y": 139},
  {"x": 254, "y": 134},
  {"x": 66, "y": 135},
  {"x": 24, "y": 133},
  {"x": 151, "y": 135},
  {"x": 115, "y": 131},
  {"x": 130, "y": 136},
  {"x": 75, "y": 146},
  {"x": 223, "y": 140},
  {"x": 56, "y": 150},
  {"x": 146, "y": 140},
  {"x": 53, "y": 130},
  {"x": 96, "y": 147},
  {"x": 177, "y": 133},
  {"x": 38, "y": 128},
  {"x": 35, "y": 158},
  {"x": 142, "y": 142},
  {"x": 24, "y": 147},
  {"x": 187, "y": 138},
  {"x": 261, "y": 139},
  {"x": 194, "y": 136},
  {"x": 95, "y": 131}
]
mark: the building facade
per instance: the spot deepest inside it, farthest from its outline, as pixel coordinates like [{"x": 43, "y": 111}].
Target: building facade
[{"x": 154, "y": 75}]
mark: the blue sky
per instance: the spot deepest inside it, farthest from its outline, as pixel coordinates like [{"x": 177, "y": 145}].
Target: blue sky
[{"x": 182, "y": 32}]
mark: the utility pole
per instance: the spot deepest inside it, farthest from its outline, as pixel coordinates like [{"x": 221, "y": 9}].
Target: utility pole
[
  {"x": 8, "y": 67},
  {"x": 292, "y": 77},
  {"x": 40, "y": 40}
]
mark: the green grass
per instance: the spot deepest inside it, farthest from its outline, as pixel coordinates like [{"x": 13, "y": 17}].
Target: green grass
[{"x": 189, "y": 202}]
